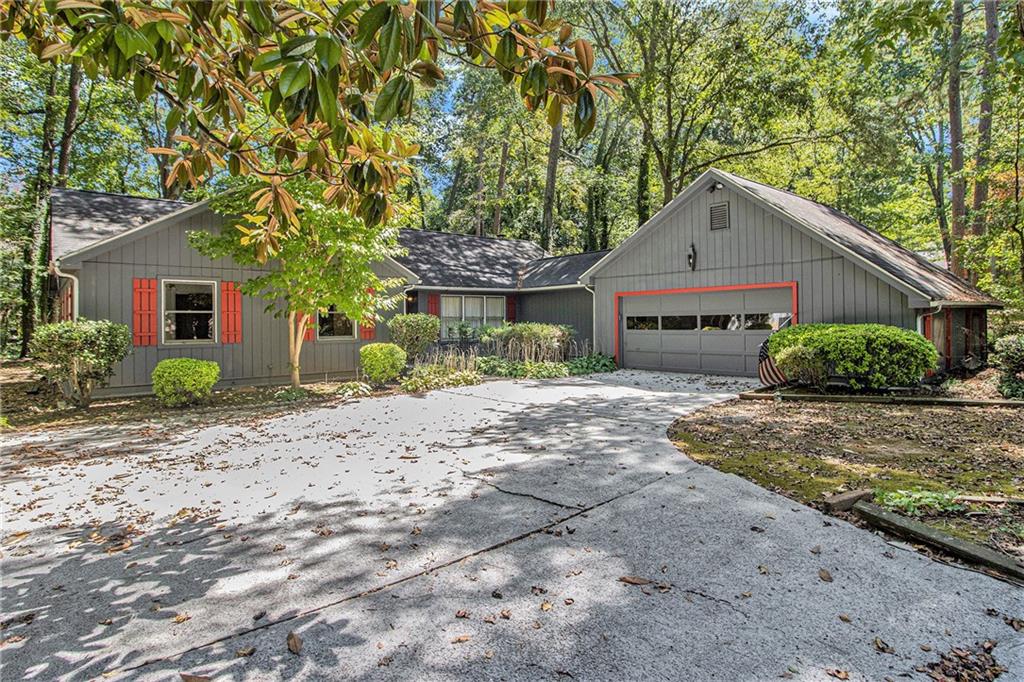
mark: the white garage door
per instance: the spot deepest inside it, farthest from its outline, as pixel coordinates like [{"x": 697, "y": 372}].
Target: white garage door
[{"x": 716, "y": 332}]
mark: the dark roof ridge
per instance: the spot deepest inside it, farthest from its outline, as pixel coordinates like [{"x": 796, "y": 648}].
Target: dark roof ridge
[
  {"x": 570, "y": 255},
  {"x": 470, "y": 236},
  {"x": 119, "y": 194}
]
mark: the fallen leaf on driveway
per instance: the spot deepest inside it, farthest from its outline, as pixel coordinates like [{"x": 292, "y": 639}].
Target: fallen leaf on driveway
[
  {"x": 816, "y": 549},
  {"x": 824, "y": 575},
  {"x": 505, "y": 614},
  {"x": 247, "y": 651},
  {"x": 294, "y": 643},
  {"x": 634, "y": 580},
  {"x": 462, "y": 613},
  {"x": 461, "y": 639},
  {"x": 837, "y": 673},
  {"x": 546, "y": 606},
  {"x": 881, "y": 646},
  {"x": 843, "y": 617},
  {"x": 763, "y": 570},
  {"x": 106, "y": 621},
  {"x": 181, "y": 617},
  {"x": 185, "y": 677}
]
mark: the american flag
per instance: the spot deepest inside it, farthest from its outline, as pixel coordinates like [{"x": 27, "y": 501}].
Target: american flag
[{"x": 770, "y": 374}]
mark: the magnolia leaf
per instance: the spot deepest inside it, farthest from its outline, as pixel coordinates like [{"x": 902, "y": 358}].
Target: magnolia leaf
[
  {"x": 390, "y": 42},
  {"x": 370, "y": 23},
  {"x": 389, "y": 100},
  {"x": 270, "y": 59},
  {"x": 295, "y": 77}
]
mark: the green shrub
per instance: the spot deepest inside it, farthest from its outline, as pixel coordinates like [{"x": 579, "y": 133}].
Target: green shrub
[
  {"x": 546, "y": 370},
  {"x": 429, "y": 377},
  {"x": 1008, "y": 356},
  {"x": 534, "y": 341},
  {"x": 802, "y": 365},
  {"x": 79, "y": 356},
  {"x": 184, "y": 381},
  {"x": 867, "y": 355},
  {"x": 493, "y": 366},
  {"x": 592, "y": 364},
  {"x": 382, "y": 362},
  {"x": 354, "y": 389},
  {"x": 917, "y": 502},
  {"x": 415, "y": 332}
]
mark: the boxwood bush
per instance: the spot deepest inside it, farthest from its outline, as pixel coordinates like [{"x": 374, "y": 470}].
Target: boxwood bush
[
  {"x": 874, "y": 356},
  {"x": 79, "y": 356},
  {"x": 1009, "y": 358},
  {"x": 382, "y": 362},
  {"x": 184, "y": 381},
  {"x": 415, "y": 332}
]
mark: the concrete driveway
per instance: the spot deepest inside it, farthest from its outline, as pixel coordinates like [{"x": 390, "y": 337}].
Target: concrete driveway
[{"x": 480, "y": 532}]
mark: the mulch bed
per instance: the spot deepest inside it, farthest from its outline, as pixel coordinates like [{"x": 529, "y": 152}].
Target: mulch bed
[{"x": 808, "y": 450}]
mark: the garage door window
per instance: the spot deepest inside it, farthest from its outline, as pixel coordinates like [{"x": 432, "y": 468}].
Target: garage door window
[
  {"x": 725, "y": 322},
  {"x": 642, "y": 323},
  {"x": 678, "y": 322}
]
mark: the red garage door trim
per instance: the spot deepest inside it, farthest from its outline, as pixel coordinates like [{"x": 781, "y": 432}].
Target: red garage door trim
[{"x": 792, "y": 286}]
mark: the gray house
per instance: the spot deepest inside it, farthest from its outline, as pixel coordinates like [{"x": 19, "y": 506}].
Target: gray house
[{"x": 697, "y": 288}]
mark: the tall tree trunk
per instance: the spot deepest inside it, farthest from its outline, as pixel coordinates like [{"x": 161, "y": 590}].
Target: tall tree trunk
[
  {"x": 419, "y": 195},
  {"x": 643, "y": 182},
  {"x": 70, "y": 125},
  {"x": 981, "y": 159},
  {"x": 296, "y": 332},
  {"x": 956, "y": 141},
  {"x": 41, "y": 184},
  {"x": 478, "y": 196},
  {"x": 453, "y": 189},
  {"x": 502, "y": 168},
  {"x": 550, "y": 178}
]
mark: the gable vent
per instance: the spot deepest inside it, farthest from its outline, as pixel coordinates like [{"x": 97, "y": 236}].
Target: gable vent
[{"x": 719, "y": 216}]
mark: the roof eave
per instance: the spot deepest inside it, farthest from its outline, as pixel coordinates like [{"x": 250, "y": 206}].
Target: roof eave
[{"x": 993, "y": 304}]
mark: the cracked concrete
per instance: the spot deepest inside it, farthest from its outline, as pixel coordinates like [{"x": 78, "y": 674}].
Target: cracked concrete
[{"x": 472, "y": 533}]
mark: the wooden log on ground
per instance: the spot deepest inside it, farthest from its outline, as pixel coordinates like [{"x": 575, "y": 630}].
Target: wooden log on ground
[
  {"x": 845, "y": 501},
  {"x": 915, "y": 530}
]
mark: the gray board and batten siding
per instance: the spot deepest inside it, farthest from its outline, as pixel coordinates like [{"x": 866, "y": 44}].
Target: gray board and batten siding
[
  {"x": 106, "y": 292},
  {"x": 757, "y": 247}
]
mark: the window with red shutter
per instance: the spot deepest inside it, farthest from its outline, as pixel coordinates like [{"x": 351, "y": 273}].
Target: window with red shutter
[
  {"x": 230, "y": 313},
  {"x": 144, "y": 311},
  {"x": 368, "y": 331},
  {"x": 310, "y": 333},
  {"x": 510, "y": 308}
]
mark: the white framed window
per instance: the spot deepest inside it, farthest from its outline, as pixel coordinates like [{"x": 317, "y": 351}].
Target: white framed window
[
  {"x": 189, "y": 310},
  {"x": 335, "y": 325},
  {"x": 475, "y": 310}
]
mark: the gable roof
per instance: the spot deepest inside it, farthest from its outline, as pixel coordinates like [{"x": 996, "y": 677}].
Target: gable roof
[
  {"x": 558, "y": 271},
  {"x": 905, "y": 269},
  {"x": 80, "y": 218},
  {"x": 448, "y": 260}
]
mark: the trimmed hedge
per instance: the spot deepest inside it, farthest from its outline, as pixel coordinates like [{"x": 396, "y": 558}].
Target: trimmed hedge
[
  {"x": 184, "y": 381},
  {"x": 1009, "y": 358},
  {"x": 382, "y": 362},
  {"x": 80, "y": 355},
  {"x": 415, "y": 332},
  {"x": 872, "y": 356}
]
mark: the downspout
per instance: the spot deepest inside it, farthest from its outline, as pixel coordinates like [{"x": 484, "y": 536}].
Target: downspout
[{"x": 55, "y": 270}]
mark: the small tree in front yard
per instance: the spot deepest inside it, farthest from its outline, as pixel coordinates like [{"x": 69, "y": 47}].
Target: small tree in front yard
[
  {"x": 325, "y": 262},
  {"x": 79, "y": 356}
]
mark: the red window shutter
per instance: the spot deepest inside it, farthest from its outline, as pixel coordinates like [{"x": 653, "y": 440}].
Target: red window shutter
[
  {"x": 510, "y": 308},
  {"x": 368, "y": 331},
  {"x": 144, "y": 311},
  {"x": 434, "y": 304},
  {"x": 928, "y": 326},
  {"x": 230, "y": 313},
  {"x": 310, "y": 333}
]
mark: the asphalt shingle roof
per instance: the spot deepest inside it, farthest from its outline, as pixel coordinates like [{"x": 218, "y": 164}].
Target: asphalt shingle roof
[
  {"x": 79, "y": 218},
  {"x": 906, "y": 266},
  {"x": 558, "y": 270},
  {"x": 444, "y": 259}
]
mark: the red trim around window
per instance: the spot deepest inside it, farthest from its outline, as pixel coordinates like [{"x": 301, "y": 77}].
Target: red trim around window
[{"x": 792, "y": 286}]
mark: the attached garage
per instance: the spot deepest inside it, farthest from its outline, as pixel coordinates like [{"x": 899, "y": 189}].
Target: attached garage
[
  {"x": 716, "y": 330},
  {"x": 702, "y": 283}
]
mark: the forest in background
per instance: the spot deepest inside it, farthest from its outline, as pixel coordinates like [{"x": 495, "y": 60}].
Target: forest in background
[{"x": 908, "y": 116}]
